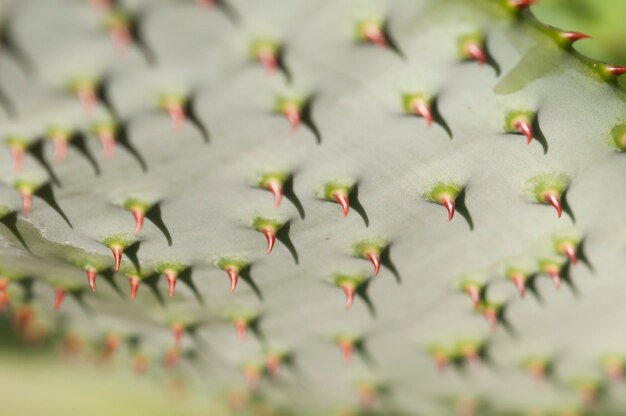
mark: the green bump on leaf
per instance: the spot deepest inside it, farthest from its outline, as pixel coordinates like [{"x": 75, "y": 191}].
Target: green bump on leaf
[
  {"x": 132, "y": 204},
  {"x": 119, "y": 240},
  {"x": 338, "y": 186},
  {"x": 116, "y": 19},
  {"x": 538, "y": 186},
  {"x": 263, "y": 180},
  {"x": 167, "y": 99},
  {"x": 231, "y": 262},
  {"x": 4, "y": 211},
  {"x": 85, "y": 261},
  {"x": 551, "y": 265},
  {"x": 512, "y": 119},
  {"x": 55, "y": 132},
  {"x": 619, "y": 137},
  {"x": 361, "y": 27},
  {"x": 65, "y": 284},
  {"x": 512, "y": 273},
  {"x": 103, "y": 126},
  {"x": 476, "y": 38},
  {"x": 371, "y": 245},
  {"x": 348, "y": 338},
  {"x": 167, "y": 266},
  {"x": 283, "y": 104},
  {"x": 408, "y": 99},
  {"x": 442, "y": 190},
  {"x": 263, "y": 46},
  {"x": 82, "y": 83},
  {"x": 29, "y": 186},
  {"x": 17, "y": 142},
  {"x": 262, "y": 223},
  {"x": 133, "y": 272},
  {"x": 349, "y": 280}
]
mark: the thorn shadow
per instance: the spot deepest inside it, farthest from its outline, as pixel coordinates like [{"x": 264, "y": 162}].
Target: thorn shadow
[
  {"x": 79, "y": 297},
  {"x": 131, "y": 252},
  {"x": 531, "y": 285},
  {"x": 255, "y": 329},
  {"x": 538, "y": 134},
  {"x": 37, "y": 150},
  {"x": 229, "y": 11},
  {"x": 154, "y": 215},
  {"x": 290, "y": 194},
  {"x": 438, "y": 117},
  {"x": 283, "y": 236},
  {"x": 461, "y": 208},
  {"x": 360, "y": 347},
  {"x": 193, "y": 117},
  {"x": 108, "y": 275},
  {"x": 307, "y": 118},
  {"x": 7, "y": 105},
  {"x": 361, "y": 292},
  {"x": 566, "y": 206},
  {"x": 566, "y": 277},
  {"x": 47, "y": 194},
  {"x": 10, "y": 221},
  {"x": 246, "y": 276},
  {"x": 582, "y": 256},
  {"x": 27, "y": 287},
  {"x": 355, "y": 204},
  {"x": 386, "y": 262},
  {"x": 79, "y": 142},
  {"x": 124, "y": 141},
  {"x": 152, "y": 281},
  {"x": 506, "y": 323},
  {"x": 282, "y": 65},
  {"x": 185, "y": 277},
  {"x": 391, "y": 41},
  {"x": 491, "y": 61}
]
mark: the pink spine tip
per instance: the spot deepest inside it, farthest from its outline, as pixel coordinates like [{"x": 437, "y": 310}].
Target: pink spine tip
[
  {"x": 241, "y": 327},
  {"x": 474, "y": 293},
  {"x": 616, "y": 70},
  {"x": 178, "y": 331},
  {"x": 276, "y": 189},
  {"x": 171, "y": 277},
  {"x": 554, "y": 200},
  {"x": 375, "y": 259},
  {"x": 341, "y": 197},
  {"x": 134, "y": 286},
  {"x": 88, "y": 99},
  {"x": 60, "y": 149},
  {"x": 520, "y": 284},
  {"x": 574, "y": 36},
  {"x": 91, "y": 278},
  {"x": 571, "y": 253},
  {"x": 347, "y": 348},
  {"x": 349, "y": 291},
  {"x": 18, "y": 154},
  {"x": 177, "y": 115},
  {"x": 27, "y": 201},
  {"x": 121, "y": 38},
  {"x": 272, "y": 363},
  {"x": 477, "y": 53},
  {"x": 292, "y": 112},
  {"x": 270, "y": 236},
  {"x": 522, "y": 4},
  {"x": 139, "y": 216},
  {"x": 492, "y": 318},
  {"x": 525, "y": 127},
  {"x": 233, "y": 275},
  {"x": 448, "y": 202},
  {"x": 107, "y": 140},
  {"x": 117, "y": 256},
  {"x": 58, "y": 300},
  {"x": 205, "y": 3},
  {"x": 556, "y": 278},
  {"x": 374, "y": 33},
  {"x": 421, "y": 108},
  {"x": 269, "y": 62}
]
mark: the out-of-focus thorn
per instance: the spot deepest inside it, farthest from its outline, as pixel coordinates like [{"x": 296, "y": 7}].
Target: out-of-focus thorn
[
  {"x": 476, "y": 51},
  {"x": 171, "y": 277},
  {"x": 343, "y": 200},
  {"x": 233, "y": 275},
  {"x": 134, "y": 286},
  {"x": 375, "y": 259},
  {"x": 276, "y": 189},
  {"x": 117, "y": 256},
  {"x": 421, "y": 108},
  {"x": 524, "y": 127},
  {"x": 554, "y": 200},
  {"x": 349, "y": 291},
  {"x": 58, "y": 300},
  {"x": 91, "y": 278}
]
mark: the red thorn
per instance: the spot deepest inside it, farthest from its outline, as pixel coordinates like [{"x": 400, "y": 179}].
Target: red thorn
[
  {"x": 58, "y": 300},
  {"x": 107, "y": 140},
  {"x": 134, "y": 286},
  {"x": 276, "y": 189},
  {"x": 177, "y": 114},
  {"x": 60, "y": 148},
  {"x": 347, "y": 348},
  {"x": 574, "y": 36},
  {"x": 101, "y": 4},
  {"x": 172, "y": 357},
  {"x": 17, "y": 154},
  {"x": 350, "y": 291},
  {"x": 570, "y": 252},
  {"x": 205, "y": 3},
  {"x": 4, "y": 283},
  {"x": 520, "y": 284},
  {"x": 269, "y": 61},
  {"x": 178, "y": 331},
  {"x": 5, "y": 300},
  {"x": 270, "y": 236},
  {"x": 341, "y": 197},
  {"x": 27, "y": 201},
  {"x": 117, "y": 256},
  {"x": 112, "y": 343},
  {"x": 140, "y": 365},
  {"x": 616, "y": 70},
  {"x": 293, "y": 115},
  {"x": 272, "y": 362},
  {"x": 522, "y": 4},
  {"x": 375, "y": 259},
  {"x": 91, "y": 278},
  {"x": 139, "y": 216},
  {"x": 171, "y": 277},
  {"x": 492, "y": 318},
  {"x": 374, "y": 33},
  {"x": 554, "y": 200},
  {"x": 121, "y": 38},
  {"x": 556, "y": 278},
  {"x": 524, "y": 127},
  {"x": 421, "y": 108},
  {"x": 233, "y": 275},
  {"x": 88, "y": 99},
  {"x": 476, "y": 52},
  {"x": 448, "y": 202},
  {"x": 241, "y": 327},
  {"x": 474, "y": 293},
  {"x": 253, "y": 378},
  {"x": 441, "y": 361}
]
